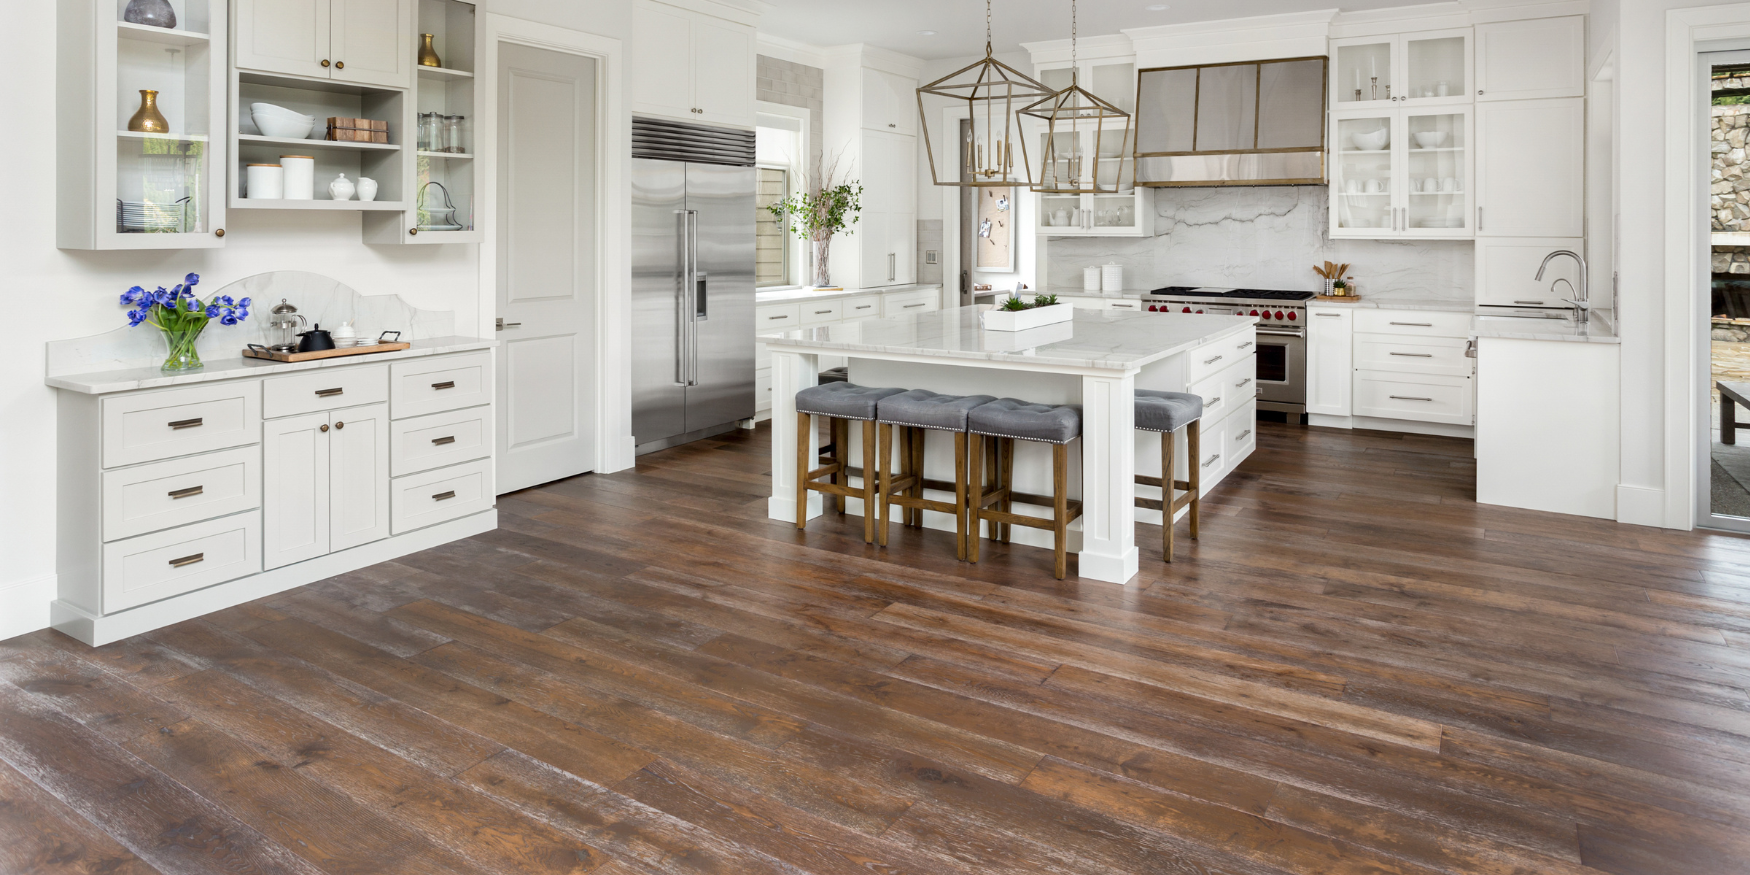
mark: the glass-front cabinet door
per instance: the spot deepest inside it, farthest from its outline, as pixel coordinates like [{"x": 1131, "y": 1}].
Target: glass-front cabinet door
[
  {"x": 1429, "y": 67},
  {"x": 1112, "y": 80},
  {"x": 1364, "y": 173},
  {"x": 1402, "y": 173},
  {"x": 1110, "y": 204},
  {"x": 1438, "y": 194}
]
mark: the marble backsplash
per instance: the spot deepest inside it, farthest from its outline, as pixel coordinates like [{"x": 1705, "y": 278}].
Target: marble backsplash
[{"x": 1265, "y": 237}]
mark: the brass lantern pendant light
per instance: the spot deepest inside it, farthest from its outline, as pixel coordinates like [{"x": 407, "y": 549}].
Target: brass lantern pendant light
[
  {"x": 1066, "y": 165},
  {"x": 994, "y": 93}
]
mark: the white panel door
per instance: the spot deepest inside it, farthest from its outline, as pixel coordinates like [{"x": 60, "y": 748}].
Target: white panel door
[
  {"x": 294, "y": 493},
  {"x": 1539, "y": 57},
  {"x": 1531, "y": 168},
  {"x": 283, "y": 36},
  {"x": 723, "y": 61},
  {"x": 372, "y": 41},
  {"x": 660, "y": 65},
  {"x": 358, "y": 476},
  {"x": 546, "y": 284},
  {"x": 1330, "y": 371}
]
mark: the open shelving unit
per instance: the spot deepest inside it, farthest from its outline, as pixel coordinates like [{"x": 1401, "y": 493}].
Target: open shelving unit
[
  {"x": 430, "y": 171},
  {"x": 321, "y": 98}
]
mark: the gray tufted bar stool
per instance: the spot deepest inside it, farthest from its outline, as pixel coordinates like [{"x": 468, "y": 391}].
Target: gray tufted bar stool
[
  {"x": 995, "y": 428},
  {"x": 902, "y": 485},
  {"x": 838, "y": 405},
  {"x": 1167, "y": 412}
]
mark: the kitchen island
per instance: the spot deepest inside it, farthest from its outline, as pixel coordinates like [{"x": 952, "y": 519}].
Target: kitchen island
[{"x": 1098, "y": 361}]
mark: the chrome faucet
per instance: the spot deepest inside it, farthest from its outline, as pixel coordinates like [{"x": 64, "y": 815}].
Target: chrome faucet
[{"x": 1581, "y": 300}]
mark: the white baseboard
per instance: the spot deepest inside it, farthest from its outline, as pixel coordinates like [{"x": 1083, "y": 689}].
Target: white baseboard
[
  {"x": 1407, "y": 426},
  {"x": 1640, "y": 505},
  {"x": 1324, "y": 421},
  {"x": 24, "y": 605}
]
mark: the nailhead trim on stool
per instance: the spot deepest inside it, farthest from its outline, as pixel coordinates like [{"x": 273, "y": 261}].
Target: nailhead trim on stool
[
  {"x": 1001, "y": 423},
  {"x": 911, "y": 413},
  {"x": 838, "y": 404}
]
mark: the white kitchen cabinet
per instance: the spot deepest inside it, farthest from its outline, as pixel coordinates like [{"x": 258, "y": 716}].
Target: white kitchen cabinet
[
  {"x": 1422, "y": 68},
  {"x": 887, "y": 227},
  {"x": 1329, "y": 360},
  {"x": 1529, "y": 59},
  {"x": 1507, "y": 270},
  {"x": 1111, "y": 79},
  {"x": 327, "y": 482},
  {"x": 1417, "y": 183},
  {"x": 1410, "y": 365},
  {"x": 777, "y": 317},
  {"x": 366, "y": 42},
  {"x": 358, "y": 470},
  {"x": 691, "y": 66},
  {"x": 889, "y": 103},
  {"x": 1531, "y": 168},
  {"x": 867, "y": 123}
]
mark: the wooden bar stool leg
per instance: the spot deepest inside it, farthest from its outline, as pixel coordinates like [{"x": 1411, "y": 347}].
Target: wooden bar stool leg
[
  {"x": 884, "y": 461},
  {"x": 1167, "y": 494},
  {"x": 868, "y": 481},
  {"x": 841, "y": 454},
  {"x": 1192, "y": 436},
  {"x": 1006, "y": 452},
  {"x": 1060, "y": 507},
  {"x": 917, "y": 466},
  {"x": 975, "y": 497},
  {"x": 803, "y": 465},
  {"x": 960, "y": 495}
]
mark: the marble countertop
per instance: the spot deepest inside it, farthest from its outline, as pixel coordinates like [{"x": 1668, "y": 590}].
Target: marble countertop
[
  {"x": 1095, "y": 339},
  {"x": 1445, "y": 305},
  {"x": 129, "y": 379},
  {"x": 780, "y": 296},
  {"x": 1601, "y": 328}
]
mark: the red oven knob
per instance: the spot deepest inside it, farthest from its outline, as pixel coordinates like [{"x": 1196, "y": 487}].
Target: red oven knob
[
  {"x": 1291, "y": 316},
  {"x": 1279, "y": 314},
  {"x": 1152, "y": 308},
  {"x": 1199, "y": 311},
  {"x": 1263, "y": 315},
  {"x": 1254, "y": 312},
  {"x": 1187, "y": 309}
]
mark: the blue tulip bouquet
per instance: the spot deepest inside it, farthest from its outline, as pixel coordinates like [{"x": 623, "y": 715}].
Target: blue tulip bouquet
[{"x": 182, "y": 316}]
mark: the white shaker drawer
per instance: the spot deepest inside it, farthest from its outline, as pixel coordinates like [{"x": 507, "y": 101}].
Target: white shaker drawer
[
  {"x": 440, "y": 383},
  {"x": 1420, "y": 397},
  {"x": 427, "y": 442},
  {"x": 776, "y": 317},
  {"x": 911, "y": 302},
  {"x": 1211, "y": 458},
  {"x": 324, "y": 389},
  {"x": 146, "y": 498},
  {"x": 426, "y": 499},
  {"x": 1425, "y": 323},
  {"x": 864, "y": 307},
  {"x": 1226, "y": 390},
  {"x": 1412, "y": 355},
  {"x": 148, "y": 426},
  {"x": 822, "y": 312},
  {"x": 1131, "y": 304},
  {"x": 762, "y": 389},
  {"x": 1219, "y": 355},
  {"x": 179, "y": 560},
  {"x": 1240, "y": 434}
]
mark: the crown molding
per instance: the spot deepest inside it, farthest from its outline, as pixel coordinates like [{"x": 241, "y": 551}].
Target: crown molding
[
  {"x": 790, "y": 50},
  {"x": 874, "y": 58},
  {"x": 746, "y": 12},
  {"x": 1091, "y": 48},
  {"x": 1258, "y": 38}
]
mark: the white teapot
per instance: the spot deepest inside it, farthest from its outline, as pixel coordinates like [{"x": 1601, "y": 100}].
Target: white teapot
[{"x": 341, "y": 189}]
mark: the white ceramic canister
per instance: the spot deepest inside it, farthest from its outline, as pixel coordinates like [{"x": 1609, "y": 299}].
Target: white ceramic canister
[
  {"x": 300, "y": 177},
  {"x": 1112, "y": 278},
  {"x": 341, "y": 188},
  {"x": 264, "y": 182},
  {"x": 1090, "y": 279},
  {"x": 367, "y": 188}
]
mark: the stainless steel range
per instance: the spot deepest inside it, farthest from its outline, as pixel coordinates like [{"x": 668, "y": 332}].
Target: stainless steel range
[{"x": 1281, "y": 334}]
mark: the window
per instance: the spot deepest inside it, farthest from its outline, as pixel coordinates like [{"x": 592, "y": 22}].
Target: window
[{"x": 771, "y": 236}]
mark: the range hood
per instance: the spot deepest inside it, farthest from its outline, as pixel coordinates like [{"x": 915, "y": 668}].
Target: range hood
[{"x": 1250, "y": 123}]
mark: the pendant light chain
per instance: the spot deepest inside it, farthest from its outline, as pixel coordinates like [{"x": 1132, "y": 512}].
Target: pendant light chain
[{"x": 987, "y": 27}]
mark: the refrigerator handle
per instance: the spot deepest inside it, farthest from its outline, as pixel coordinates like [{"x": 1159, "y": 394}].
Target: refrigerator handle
[
  {"x": 683, "y": 282},
  {"x": 696, "y": 297}
]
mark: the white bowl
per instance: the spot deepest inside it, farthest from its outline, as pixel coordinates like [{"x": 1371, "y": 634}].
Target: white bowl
[
  {"x": 1430, "y": 139},
  {"x": 272, "y": 126},
  {"x": 274, "y": 109},
  {"x": 1370, "y": 142}
]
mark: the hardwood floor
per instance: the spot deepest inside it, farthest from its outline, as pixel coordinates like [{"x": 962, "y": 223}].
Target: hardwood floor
[{"x": 1357, "y": 669}]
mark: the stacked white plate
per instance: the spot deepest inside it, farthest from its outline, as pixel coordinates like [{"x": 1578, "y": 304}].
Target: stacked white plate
[{"x": 136, "y": 216}]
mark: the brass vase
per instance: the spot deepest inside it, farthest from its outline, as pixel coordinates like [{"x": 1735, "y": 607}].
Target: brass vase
[
  {"x": 148, "y": 120},
  {"x": 428, "y": 55}
]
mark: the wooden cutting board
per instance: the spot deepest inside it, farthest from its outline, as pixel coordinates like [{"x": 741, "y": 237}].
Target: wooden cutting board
[{"x": 272, "y": 356}]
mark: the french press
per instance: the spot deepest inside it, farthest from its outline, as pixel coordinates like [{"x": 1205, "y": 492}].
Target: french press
[{"x": 285, "y": 327}]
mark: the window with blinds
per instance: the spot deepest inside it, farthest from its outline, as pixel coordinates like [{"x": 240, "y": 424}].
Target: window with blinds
[{"x": 771, "y": 240}]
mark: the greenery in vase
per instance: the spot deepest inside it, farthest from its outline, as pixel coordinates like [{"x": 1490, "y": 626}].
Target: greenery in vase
[
  {"x": 817, "y": 215},
  {"x": 182, "y": 316}
]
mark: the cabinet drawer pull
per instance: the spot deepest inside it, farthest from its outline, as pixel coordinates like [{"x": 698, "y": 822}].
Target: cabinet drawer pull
[
  {"x": 909, "y": 306},
  {"x": 1242, "y": 435},
  {"x": 1212, "y": 361},
  {"x": 1415, "y": 324},
  {"x": 1533, "y": 303},
  {"x": 1328, "y": 314},
  {"x": 775, "y": 318},
  {"x": 438, "y": 442},
  {"x": 447, "y": 384},
  {"x": 1212, "y": 460},
  {"x": 863, "y": 307},
  {"x": 1213, "y": 402},
  {"x": 186, "y": 423},
  {"x": 821, "y": 312},
  {"x": 1244, "y": 345},
  {"x": 1241, "y": 384},
  {"x": 1415, "y": 355},
  {"x": 187, "y": 560},
  {"x": 185, "y": 493},
  {"x": 1409, "y": 398},
  {"x": 444, "y": 495},
  {"x": 329, "y": 393}
]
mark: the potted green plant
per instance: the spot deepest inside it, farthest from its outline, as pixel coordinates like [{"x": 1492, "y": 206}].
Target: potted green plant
[
  {"x": 1018, "y": 314},
  {"x": 815, "y": 216}
]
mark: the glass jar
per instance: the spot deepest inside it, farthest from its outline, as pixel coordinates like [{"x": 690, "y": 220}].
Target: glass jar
[
  {"x": 453, "y": 134},
  {"x": 430, "y": 124}
]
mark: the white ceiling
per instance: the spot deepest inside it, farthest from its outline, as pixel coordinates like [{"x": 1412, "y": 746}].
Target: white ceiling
[{"x": 959, "y": 24}]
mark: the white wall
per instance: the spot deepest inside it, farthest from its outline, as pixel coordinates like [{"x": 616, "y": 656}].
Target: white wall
[{"x": 56, "y": 294}]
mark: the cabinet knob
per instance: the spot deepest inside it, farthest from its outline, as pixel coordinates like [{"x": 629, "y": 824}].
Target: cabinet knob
[
  {"x": 322, "y": 427},
  {"x": 220, "y": 232},
  {"x": 412, "y": 230},
  {"x": 340, "y": 425},
  {"x": 324, "y": 62},
  {"x": 340, "y": 65},
  {"x": 1479, "y": 91}
]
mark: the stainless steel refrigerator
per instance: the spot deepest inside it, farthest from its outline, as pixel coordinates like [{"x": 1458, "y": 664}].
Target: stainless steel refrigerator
[{"x": 692, "y": 281}]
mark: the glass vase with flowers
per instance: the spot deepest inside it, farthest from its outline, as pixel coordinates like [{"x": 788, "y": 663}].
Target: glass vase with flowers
[{"x": 181, "y": 317}]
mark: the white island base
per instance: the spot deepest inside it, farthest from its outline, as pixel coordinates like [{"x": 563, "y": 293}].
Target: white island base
[{"x": 1097, "y": 361}]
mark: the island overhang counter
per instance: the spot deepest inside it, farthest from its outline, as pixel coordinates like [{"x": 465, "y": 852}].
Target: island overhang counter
[{"x": 1098, "y": 361}]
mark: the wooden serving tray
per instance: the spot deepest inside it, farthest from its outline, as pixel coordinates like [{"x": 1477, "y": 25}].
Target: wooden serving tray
[
  {"x": 1337, "y": 299},
  {"x": 272, "y": 356}
]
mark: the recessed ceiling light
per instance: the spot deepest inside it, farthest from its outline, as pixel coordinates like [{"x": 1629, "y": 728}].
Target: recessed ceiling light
[
  {"x": 926, "y": 33},
  {"x": 1156, "y": 7}
]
